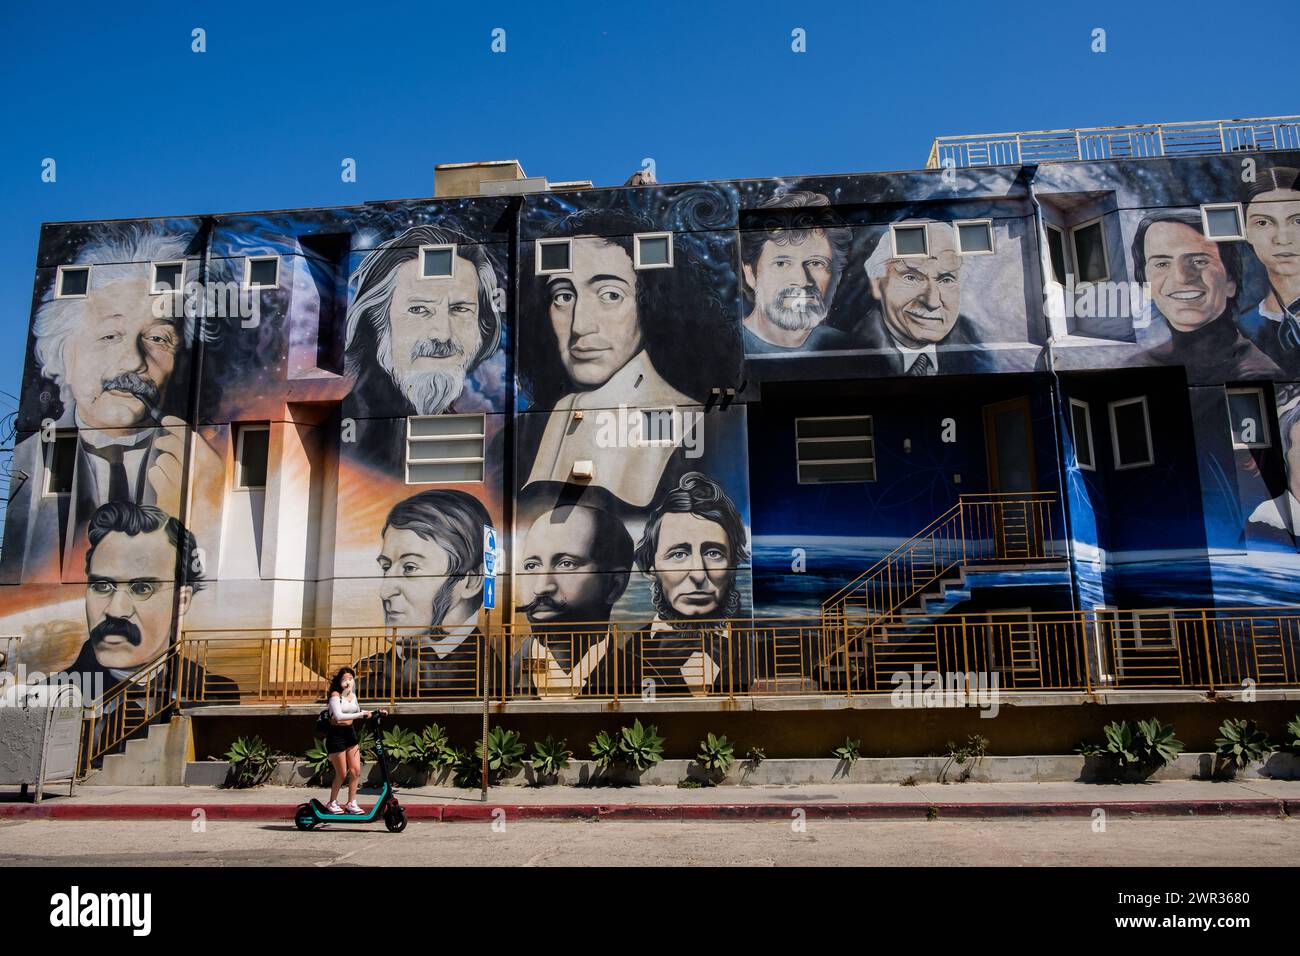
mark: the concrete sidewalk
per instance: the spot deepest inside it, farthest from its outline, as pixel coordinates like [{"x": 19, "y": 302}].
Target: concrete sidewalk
[{"x": 844, "y": 801}]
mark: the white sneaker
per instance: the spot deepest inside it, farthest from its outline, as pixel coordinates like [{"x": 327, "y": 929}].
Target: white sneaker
[
  {"x": 333, "y": 807},
  {"x": 354, "y": 807}
]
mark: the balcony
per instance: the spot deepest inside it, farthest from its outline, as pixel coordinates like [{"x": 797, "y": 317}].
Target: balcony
[{"x": 1199, "y": 137}]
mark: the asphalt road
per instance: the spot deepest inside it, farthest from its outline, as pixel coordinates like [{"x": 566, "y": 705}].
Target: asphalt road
[{"x": 1223, "y": 841}]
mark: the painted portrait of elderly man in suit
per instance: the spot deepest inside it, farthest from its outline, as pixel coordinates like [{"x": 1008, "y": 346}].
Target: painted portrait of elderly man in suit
[
  {"x": 419, "y": 325},
  {"x": 915, "y": 321},
  {"x": 117, "y": 351}
]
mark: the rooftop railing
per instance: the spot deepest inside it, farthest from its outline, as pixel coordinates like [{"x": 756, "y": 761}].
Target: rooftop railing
[{"x": 1116, "y": 142}]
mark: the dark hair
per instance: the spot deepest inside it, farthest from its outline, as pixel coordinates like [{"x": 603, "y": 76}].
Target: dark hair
[
  {"x": 451, "y": 519},
  {"x": 696, "y": 494},
  {"x": 337, "y": 683},
  {"x": 673, "y": 306},
  {"x": 612, "y": 547},
  {"x": 792, "y": 217},
  {"x": 1272, "y": 178},
  {"x": 370, "y": 301},
  {"x": 128, "y": 518},
  {"x": 1229, "y": 254}
]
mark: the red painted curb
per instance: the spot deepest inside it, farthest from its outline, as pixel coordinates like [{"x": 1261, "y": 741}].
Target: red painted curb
[{"x": 488, "y": 812}]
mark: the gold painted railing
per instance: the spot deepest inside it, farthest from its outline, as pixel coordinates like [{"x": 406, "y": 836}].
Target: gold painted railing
[
  {"x": 127, "y": 709},
  {"x": 978, "y": 531},
  {"x": 1082, "y": 651}
]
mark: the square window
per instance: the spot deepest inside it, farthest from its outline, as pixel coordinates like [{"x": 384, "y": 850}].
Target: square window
[
  {"x": 444, "y": 448},
  {"x": 552, "y": 255},
  {"x": 60, "y": 462},
  {"x": 1089, "y": 241},
  {"x": 437, "y": 262},
  {"x": 1247, "y": 418},
  {"x": 1056, "y": 251},
  {"x": 262, "y": 272},
  {"x": 909, "y": 240},
  {"x": 654, "y": 250},
  {"x": 975, "y": 237},
  {"x": 167, "y": 277},
  {"x": 833, "y": 450},
  {"x": 1081, "y": 430},
  {"x": 72, "y": 282},
  {"x": 1223, "y": 221},
  {"x": 251, "y": 449},
  {"x": 1130, "y": 433}
]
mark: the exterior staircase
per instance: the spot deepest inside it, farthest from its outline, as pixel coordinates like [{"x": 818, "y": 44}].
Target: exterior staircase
[{"x": 884, "y": 620}]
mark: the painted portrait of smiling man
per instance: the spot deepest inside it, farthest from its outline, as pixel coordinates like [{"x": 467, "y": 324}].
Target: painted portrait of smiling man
[{"x": 1194, "y": 284}]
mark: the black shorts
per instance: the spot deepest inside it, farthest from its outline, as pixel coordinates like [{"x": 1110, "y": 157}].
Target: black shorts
[{"x": 339, "y": 739}]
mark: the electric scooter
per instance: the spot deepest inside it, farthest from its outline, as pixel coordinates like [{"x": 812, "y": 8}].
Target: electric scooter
[{"x": 310, "y": 815}]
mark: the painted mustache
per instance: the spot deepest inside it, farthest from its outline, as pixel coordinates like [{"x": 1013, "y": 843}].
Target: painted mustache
[
  {"x": 116, "y": 626},
  {"x": 542, "y": 600},
  {"x": 137, "y": 385},
  {"x": 435, "y": 348}
]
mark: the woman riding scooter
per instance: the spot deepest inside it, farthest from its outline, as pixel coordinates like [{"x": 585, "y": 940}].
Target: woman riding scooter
[{"x": 341, "y": 740}]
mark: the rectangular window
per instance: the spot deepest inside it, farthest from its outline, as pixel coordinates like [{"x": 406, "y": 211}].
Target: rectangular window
[
  {"x": 444, "y": 448},
  {"x": 60, "y": 461},
  {"x": 1081, "y": 429},
  {"x": 654, "y": 250},
  {"x": 551, "y": 256},
  {"x": 1012, "y": 642},
  {"x": 839, "y": 449},
  {"x": 1130, "y": 433},
  {"x": 909, "y": 240},
  {"x": 974, "y": 237},
  {"x": 657, "y": 426},
  {"x": 1222, "y": 221},
  {"x": 167, "y": 277},
  {"x": 261, "y": 272},
  {"x": 1056, "y": 250},
  {"x": 72, "y": 282},
  {"x": 438, "y": 262},
  {"x": 252, "y": 444},
  {"x": 1247, "y": 418},
  {"x": 1090, "y": 260},
  {"x": 1155, "y": 630}
]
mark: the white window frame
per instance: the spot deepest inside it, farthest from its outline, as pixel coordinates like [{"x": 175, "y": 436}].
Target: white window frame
[
  {"x": 893, "y": 239},
  {"x": 1087, "y": 421},
  {"x": 537, "y": 257},
  {"x": 1207, "y": 208},
  {"x": 987, "y": 224},
  {"x": 1074, "y": 251},
  {"x": 1263, "y": 421},
  {"x": 241, "y": 430},
  {"x": 870, "y": 436},
  {"x": 1066, "y": 264},
  {"x": 247, "y": 284},
  {"x": 58, "y": 281},
  {"x": 1167, "y": 642},
  {"x": 1000, "y": 617},
  {"x": 659, "y": 442},
  {"x": 1114, "y": 432},
  {"x": 636, "y": 250},
  {"x": 428, "y": 248},
  {"x": 153, "y": 276},
  {"x": 47, "y": 462},
  {"x": 480, "y": 436}
]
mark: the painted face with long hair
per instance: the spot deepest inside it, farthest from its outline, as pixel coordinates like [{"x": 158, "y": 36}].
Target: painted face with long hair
[
  {"x": 792, "y": 280},
  {"x": 432, "y": 334}
]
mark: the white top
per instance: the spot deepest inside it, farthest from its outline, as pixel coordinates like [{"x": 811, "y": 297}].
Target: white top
[{"x": 345, "y": 709}]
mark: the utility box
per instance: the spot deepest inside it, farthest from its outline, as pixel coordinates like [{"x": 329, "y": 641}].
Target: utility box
[{"x": 40, "y": 734}]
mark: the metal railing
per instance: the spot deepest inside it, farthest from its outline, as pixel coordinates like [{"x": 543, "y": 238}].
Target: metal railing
[
  {"x": 129, "y": 707},
  {"x": 1080, "y": 651},
  {"x": 1116, "y": 142},
  {"x": 980, "y": 530}
]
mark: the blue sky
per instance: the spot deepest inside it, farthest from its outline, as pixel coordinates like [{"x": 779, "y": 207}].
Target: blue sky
[{"x": 140, "y": 125}]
